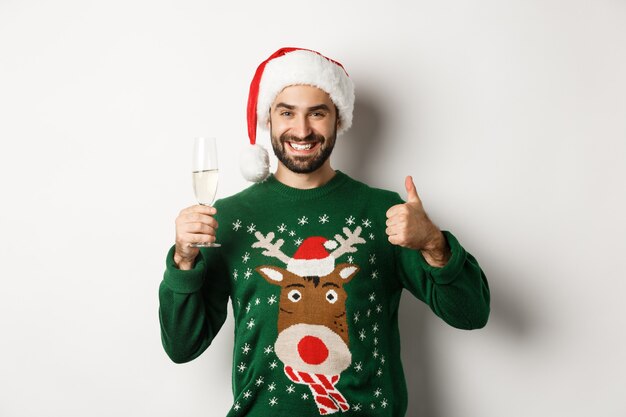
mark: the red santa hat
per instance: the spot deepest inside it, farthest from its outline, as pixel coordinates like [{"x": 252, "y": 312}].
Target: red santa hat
[
  {"x": 285, "y": 67},
  {"x": 312, "y": 259}
]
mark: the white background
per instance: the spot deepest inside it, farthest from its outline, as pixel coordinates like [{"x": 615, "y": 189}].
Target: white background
[{"x": 511, "y": 116}]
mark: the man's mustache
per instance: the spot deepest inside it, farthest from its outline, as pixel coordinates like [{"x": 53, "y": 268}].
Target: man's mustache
[{"x": 309, "y": 138}]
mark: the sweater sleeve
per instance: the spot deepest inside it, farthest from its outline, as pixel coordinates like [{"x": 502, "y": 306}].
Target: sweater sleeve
[
  {"x": 457, "y": 292},
  {"x": 192, "y": 306}
]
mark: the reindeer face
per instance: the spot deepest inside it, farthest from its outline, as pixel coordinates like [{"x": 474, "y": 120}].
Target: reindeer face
[{"x": 312, "y": 325}]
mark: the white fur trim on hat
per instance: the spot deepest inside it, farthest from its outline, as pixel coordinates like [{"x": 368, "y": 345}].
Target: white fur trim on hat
[
  {"x": 302, "y": 67},
  {"x": 311, "y": 267}
]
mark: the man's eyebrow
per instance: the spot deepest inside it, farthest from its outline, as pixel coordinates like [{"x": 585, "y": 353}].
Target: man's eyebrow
[
  {"x": 285, "y": 105},
  {"x": 313, "y": 108},
  {"x": 319, "y": 107}
]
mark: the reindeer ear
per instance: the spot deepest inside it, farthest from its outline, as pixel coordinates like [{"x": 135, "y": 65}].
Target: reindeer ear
[
  {"x": 347, "y": 271},
  {"x": 272, "y": 274}
]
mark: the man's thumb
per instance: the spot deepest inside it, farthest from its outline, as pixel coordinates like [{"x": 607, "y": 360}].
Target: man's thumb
[{"x": 411, "y": 191}]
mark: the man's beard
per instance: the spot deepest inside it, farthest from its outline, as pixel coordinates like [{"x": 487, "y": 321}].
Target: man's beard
[{"x": 303, "y": 164}]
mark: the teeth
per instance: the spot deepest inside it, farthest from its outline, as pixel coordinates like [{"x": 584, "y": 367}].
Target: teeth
[{"x": 299, "y": 147}]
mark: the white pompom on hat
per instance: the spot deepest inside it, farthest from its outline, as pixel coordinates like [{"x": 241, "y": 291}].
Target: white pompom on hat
[{"x": 286, "y": 67}]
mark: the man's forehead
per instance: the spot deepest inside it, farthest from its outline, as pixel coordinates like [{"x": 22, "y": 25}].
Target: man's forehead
[{"x": 303, "y": 96}]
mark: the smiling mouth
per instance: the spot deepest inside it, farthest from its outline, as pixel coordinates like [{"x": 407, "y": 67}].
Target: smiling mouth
[
  {"x": 303, "y": 147},
  {"x": 300, "y": 146}
]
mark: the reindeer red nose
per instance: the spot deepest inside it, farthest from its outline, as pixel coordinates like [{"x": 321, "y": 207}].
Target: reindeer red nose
[{"x": 312, "y": 350}]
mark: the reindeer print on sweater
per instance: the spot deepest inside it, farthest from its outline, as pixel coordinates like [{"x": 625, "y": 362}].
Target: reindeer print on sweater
[{"x": 313, "y": 341}]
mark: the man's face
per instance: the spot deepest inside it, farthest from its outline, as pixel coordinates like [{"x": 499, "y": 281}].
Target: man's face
[{"x": 303, "y": 128}]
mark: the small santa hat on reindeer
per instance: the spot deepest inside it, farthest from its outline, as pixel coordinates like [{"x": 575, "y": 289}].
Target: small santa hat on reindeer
[
  {"x": 312, "y": 257},
  {"x": 286, "y": 67}
]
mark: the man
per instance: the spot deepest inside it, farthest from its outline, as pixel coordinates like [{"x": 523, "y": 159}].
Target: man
[{"x": 313, "y": 261}]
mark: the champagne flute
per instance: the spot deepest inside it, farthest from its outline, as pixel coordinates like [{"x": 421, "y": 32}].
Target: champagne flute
[{"x": 204, "y": 172}]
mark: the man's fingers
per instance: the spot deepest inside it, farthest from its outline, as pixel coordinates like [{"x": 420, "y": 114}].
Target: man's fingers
[
  {"x": 185, "y": 240},
  {"x": 391, "y": 230},
  {"x": 187, "y": 229},
  {"x": 198, "y": 208},
  {"x": 201, "y": 228},
  {"x": 195, "y": 224},
  {"x": 399, "y": 237},
  {"x": 391, "y": 212},
  {"x": 191, "y": 238},
  {"x": 411, "y": 191},
  {"x": 399, "y": 227},
  {"x": 191, "y": 218},
  {"x": 397, "y": 210},
  {"x": 396, "y": 222},
  {"x": 202, "y": 218},
  {"x": 396, "y": 240}
]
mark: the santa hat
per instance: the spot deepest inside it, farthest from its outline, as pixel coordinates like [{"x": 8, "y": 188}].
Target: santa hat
[
  {"x": 285, "y": 67},
  {"x": 311, "y": 259}
]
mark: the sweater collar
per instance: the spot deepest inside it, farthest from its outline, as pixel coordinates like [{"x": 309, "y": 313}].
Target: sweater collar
[{"x": 273, "y": 185}]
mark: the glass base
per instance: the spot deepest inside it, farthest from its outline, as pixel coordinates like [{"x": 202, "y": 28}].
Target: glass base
[{"x": 205, "y": 245}]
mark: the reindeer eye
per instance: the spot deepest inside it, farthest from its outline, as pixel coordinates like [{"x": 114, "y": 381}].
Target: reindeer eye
[
  {"x": 331, "y": 296},
  {"x": 294, "y": 295}
]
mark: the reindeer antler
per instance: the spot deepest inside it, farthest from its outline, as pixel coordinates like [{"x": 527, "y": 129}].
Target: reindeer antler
[
  {"x": 347, "y": 245},
  {"x": 271, "y": 249}
]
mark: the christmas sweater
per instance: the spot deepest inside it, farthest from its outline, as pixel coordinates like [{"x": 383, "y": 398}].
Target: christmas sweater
[{"x": 315, "y": 287}]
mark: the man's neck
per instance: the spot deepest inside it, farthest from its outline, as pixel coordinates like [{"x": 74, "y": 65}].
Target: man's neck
[{"x": 304, "y": 181}]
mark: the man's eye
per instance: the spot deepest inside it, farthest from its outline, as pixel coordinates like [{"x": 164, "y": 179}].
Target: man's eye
[
  {"x": 318, "y": 114},
  {"x": 285, "y": 113}
]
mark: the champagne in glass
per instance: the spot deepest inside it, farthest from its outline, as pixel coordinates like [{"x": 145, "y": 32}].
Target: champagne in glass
[
  {"x": 204, "y": 172},
  {"x": 205, "y": 186}
]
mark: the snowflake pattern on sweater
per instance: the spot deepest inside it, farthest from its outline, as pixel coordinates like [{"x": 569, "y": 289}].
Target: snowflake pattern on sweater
[{"x": 312, "y": 355}]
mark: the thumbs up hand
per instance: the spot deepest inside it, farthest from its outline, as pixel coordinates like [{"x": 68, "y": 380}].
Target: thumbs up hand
[{"x": 408, "y": 225}]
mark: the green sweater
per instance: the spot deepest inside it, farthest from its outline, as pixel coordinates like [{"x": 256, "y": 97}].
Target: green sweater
[{"x": 315, "y": 287}]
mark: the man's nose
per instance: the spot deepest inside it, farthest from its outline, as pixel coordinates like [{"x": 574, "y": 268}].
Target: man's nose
[{"x": 301, "y": 128}]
